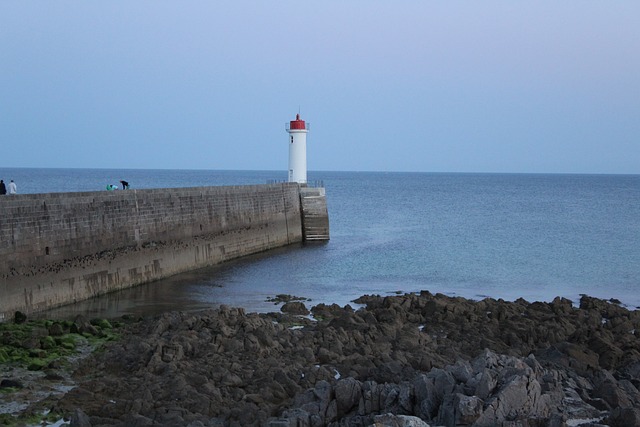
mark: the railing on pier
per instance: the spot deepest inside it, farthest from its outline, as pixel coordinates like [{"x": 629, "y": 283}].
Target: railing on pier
[{"x": 316, "y": 183}]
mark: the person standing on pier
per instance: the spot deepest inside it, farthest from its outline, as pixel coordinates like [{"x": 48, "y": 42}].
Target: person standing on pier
[
  {"x": 3, "y": 188},
  {"x": 12, "y": 188},
  {"x": 125, "y": 184}
]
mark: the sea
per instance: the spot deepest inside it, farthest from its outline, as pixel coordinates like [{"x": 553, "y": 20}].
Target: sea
[{"x": 473, "y": 235}]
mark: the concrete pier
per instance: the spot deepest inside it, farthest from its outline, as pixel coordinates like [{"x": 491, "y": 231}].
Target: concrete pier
[{"x": 59, "y": 248}]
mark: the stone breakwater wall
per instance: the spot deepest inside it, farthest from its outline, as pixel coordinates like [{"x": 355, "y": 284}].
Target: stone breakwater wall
[{"x": 59, "y": 248}]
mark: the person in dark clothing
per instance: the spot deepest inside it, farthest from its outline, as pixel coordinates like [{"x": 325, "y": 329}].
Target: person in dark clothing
[
  {"x": 125, "y": 184},
  {"x": 3, "y": 188}
]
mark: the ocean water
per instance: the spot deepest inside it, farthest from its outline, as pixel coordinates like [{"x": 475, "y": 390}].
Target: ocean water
[{"x": 509, "y": 236}]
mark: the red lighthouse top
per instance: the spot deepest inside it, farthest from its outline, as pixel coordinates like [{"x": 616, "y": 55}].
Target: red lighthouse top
[{"x": 297, "y": 123}]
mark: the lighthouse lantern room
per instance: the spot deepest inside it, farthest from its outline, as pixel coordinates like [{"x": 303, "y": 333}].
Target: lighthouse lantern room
[{"x": 297, "y": 130}]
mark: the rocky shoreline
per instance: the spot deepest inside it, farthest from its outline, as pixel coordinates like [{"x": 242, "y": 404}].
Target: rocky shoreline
[{"x": 405, "y": 360}]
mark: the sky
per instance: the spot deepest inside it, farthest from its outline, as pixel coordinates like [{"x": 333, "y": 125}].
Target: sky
[{"x": 457, "y": 86}]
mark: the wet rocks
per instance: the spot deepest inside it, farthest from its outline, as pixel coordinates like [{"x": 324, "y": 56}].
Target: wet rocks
[
  {"x": 399, "y": 360},
  {"x": 11, "y": 383},
  {"x": 36, "y": 357},
  {"x": 295, "y": 307},
  {"x": 19, "y": 317}
]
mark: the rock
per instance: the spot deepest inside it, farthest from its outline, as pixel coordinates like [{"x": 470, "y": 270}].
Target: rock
[
  {"x": 561, "y": 305},
  {"x": 53, "y": 376},
  {"x": 581, "y": 358},
  {"x": 47, "y": 343},
  {"x": 11, "y": 383},
  {"x": 79, "y": 419},
  {"x": 622, "y": 394},
  {"x": 348, "y": 393},
  {"x": 101, "y": 323},
  {"x": 56, "y": 330},
  {"x": 19, "y": 317},
  {"x": 295, "y": 307},
  {"x": 171, "y": 352},
  {"x": 624, "y": 417},
  {"x": 293, "y": 418},
  {"x": 323, "y": 392},
  {"x": 81, "y": 325},
  {"x": 323, "y": 311},
  {"x": 391, "y": 420},
  {"x": 459, "y": 410},
  {"x": 138, "y": 420},
  {"x": 515, "y": 399},
  {"x": 462, "y": 371},
  {"x": 370, "y": 403},
  {"x": 609, "y": 353},
  {"x": 428, "y": 395},
  {"x": 440, "y": 359}
]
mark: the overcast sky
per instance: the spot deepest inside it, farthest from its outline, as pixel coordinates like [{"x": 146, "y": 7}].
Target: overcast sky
[{"x": 483, "y": 86}]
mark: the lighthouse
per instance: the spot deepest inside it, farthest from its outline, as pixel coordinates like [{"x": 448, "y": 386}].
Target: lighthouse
[{"x": 297, "y": 130}]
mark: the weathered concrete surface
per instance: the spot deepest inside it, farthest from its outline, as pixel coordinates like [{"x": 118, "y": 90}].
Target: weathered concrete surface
[{"x": 59, "y": 248}]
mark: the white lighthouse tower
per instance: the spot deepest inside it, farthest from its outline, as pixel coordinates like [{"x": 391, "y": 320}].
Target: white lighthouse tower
[{"x": 297, "y": 130}]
